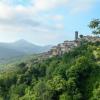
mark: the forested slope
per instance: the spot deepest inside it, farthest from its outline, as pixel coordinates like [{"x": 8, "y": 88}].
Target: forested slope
[{"x": 73, "y": 76}]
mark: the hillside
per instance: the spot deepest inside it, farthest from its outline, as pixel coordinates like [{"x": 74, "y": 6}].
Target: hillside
[
  {"x": 73, "y": 76},
  {"x": 19, "y": 49}
]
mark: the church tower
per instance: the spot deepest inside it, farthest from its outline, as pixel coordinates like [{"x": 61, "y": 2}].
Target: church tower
[{"x": 76, "y": 35}]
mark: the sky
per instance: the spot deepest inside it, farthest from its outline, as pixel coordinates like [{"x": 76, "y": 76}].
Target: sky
[{"x": 46, "y": 22}]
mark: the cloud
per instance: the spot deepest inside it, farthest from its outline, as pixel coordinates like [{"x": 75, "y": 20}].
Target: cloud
[
  {"x": 48, "y": 4},
  {"x": 5, "y": 11},
  {"x": 38, "y": 17},
  {"x": 79, "y": 6},
  {"x": 16, "y": 14},
  {"x": 59, "y": 26},
  {"x": 57, "y": 17},
  {"x": 35, "y": 35},
  {"x": 12, "y": 7}
]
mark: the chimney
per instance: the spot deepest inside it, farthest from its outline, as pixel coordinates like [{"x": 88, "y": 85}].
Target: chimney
[{"x": 76, "y": 35}]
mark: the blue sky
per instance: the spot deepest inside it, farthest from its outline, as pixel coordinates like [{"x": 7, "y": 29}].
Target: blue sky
[{"x": 45, "y": 22}]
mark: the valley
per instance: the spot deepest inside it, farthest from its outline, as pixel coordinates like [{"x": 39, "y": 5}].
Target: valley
[
  {"x": 74, "y": 75},
  {"x": 19, "y": 49}
]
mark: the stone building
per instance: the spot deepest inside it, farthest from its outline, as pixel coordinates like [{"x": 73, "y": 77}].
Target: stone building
[
  {"x": 76, "y": 35},
  {"x": 91, "y": 38},
  {"x": 67, "y": 46}
]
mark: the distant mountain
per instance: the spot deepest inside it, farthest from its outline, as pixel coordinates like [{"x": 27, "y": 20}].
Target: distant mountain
[
  {"x": 20, "y": 48},
  {"x": 28, "y": 48}
]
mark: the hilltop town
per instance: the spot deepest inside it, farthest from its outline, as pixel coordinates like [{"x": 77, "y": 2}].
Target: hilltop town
[{"x": 67, "y": 46}]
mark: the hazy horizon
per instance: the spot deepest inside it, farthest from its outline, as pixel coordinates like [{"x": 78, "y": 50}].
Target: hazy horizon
[
  {"x": 45, "y": 22},
  {"x": 23, "y": 40}
]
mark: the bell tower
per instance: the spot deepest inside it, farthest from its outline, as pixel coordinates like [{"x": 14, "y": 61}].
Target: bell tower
[{"x": 76, "y": 35}]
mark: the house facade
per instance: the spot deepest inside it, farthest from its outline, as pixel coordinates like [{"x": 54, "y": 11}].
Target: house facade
[{"x": 67, "y": 46}]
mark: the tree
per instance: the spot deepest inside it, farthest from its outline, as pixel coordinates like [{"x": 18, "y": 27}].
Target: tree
[
  {"x": 57, "y": 84},
  {"x": 96, "y": 93},
  {"x": 17, "y": 91},
  {"x": 81, "y": 36},
  {"x": 65, "y": 96},
  {"x": 41, "y": 92},
  {"x": 95, "y": 25}
]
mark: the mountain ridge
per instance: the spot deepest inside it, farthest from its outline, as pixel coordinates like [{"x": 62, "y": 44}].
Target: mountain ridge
[{"x": 20, "y": 48}]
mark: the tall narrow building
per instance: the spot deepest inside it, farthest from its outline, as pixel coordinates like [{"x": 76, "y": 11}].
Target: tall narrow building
[{"x": 76, "y": 35}]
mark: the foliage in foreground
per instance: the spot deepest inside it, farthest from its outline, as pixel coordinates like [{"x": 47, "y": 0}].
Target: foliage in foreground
[{"x": 74, "y": 76}]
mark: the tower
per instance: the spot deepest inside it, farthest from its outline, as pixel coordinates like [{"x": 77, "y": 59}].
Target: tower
[{"x": 76, "y": 35}]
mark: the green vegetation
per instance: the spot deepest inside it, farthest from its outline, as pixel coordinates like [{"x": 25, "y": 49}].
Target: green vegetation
[
  {"x": 73, "y": 76},
  {"x": 10, "y": 64},
  {"x": 95, "y": 25}
]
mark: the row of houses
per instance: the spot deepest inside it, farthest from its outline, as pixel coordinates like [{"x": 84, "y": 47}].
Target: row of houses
[
  {"x": 67, "y": 46},
  {"x": 62, "y": 48},
  {"x": 92, "y": 39}
]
